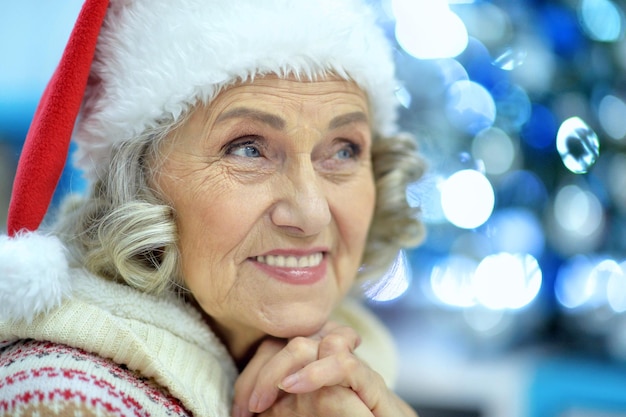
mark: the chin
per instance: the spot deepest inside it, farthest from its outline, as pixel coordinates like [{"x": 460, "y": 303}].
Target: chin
[{"x": 304, "y": 327}]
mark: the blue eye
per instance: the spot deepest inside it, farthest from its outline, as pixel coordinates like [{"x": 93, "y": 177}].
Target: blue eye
[
  {"x": 247, "y": 149},
  {"x": 350, "y": 151}
]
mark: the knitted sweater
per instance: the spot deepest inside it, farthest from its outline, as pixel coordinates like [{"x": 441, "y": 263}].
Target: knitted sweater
[{"x": 111, "y": 351}]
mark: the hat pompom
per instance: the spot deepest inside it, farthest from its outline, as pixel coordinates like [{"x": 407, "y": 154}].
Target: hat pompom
[{"x": 34, "y": 275}]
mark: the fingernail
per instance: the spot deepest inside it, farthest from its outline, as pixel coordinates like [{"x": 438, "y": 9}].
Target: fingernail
[
  {"x": 254, "y": 402},
  {"x": 240, "y": 412},
  {"x": 289, "y": 382},
  {"x": 258, "y": 403}
]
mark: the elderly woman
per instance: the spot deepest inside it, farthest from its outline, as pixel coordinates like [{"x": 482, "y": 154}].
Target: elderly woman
[{"x": 246, "y": 181}]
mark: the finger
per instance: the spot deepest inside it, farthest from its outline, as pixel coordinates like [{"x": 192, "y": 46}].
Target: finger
[
  {"x": 339, "y": 339},
  {"x": 326, "y": 372},
  {"x": 328, "y": 328},
  {"x": 247, "y": 379},
  {"x": 298, "y": 353},
  {"x": 348, "y": 371},
  {"x": 266, "y": 374},
  {"x": 333, "y": 401}
]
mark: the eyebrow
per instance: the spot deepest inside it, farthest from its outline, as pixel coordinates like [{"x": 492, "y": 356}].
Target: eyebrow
[
  {"x": 278, "y": 123},
  {"x": 346, "y": 119},
  {"x": 244, "y": 112}
]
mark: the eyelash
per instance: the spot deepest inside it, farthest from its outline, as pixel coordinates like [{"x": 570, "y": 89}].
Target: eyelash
[
  {"x": 242, "y": 142},
  {"x": 354, "y": 149}
]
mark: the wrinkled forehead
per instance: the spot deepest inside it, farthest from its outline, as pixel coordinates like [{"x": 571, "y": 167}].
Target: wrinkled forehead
[
  {"x": 283, "y": 103},
  {"x": 156, "y": 58}
]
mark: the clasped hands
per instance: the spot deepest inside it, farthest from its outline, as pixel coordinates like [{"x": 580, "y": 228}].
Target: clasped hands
[{"x": 314, "y": 376}]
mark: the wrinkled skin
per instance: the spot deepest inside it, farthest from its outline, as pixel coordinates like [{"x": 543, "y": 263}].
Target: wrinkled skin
[
  {"x": 314, "y": 376},
  {"x": 273, "y": 193}
]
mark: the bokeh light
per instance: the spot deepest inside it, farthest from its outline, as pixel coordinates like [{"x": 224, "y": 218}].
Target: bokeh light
[
  {"x": 616, "y": 288},
  {"x": 516, "y": 230},
  {"x": 578, "y": 145},
  {"x": 501, "y": 281},
  {"x": 496, "y": 149},
  {"x": 507, "y": 281},
  {"x": 513, "y": 106},
  {"x": 428, "y": 29},
  {"x": 585, "y": 283},
  {"x": 601, "y": 19},
  {"x": 611, "y": 112},
  {"x": 572, "y": 288},
  {"x": 467, "y": 199},
  {"x": 470, "y": 107},
  {"x": 486, "y": 22},
  {"x": 451, "y": 281},
  {"x": 524, "y": 131},
  {"x": 539, "y": 68},
  {"x": 576, "y": 220},
  {"x": 577, "y": 210}
]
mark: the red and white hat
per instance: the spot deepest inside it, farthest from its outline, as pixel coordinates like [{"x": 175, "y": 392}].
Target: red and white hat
[{"x": 132, "y": 64}]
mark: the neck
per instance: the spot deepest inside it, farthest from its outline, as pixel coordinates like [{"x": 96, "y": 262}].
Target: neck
[{"x": 240, "y": 343}]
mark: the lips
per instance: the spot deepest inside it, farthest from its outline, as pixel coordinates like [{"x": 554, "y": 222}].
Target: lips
[{"x": 302, "y": 269}]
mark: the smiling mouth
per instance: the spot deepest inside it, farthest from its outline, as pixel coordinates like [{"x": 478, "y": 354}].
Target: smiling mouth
[{"x": 309, "y": 261}]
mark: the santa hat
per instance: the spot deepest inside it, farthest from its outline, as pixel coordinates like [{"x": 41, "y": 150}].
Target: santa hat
[{"x": 133, "y": 64}]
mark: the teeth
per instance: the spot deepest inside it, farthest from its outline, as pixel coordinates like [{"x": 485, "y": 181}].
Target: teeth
[{"x": 292, "y": 261}]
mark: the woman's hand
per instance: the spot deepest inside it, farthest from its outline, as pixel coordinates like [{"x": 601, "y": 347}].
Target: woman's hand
[
  {"x": 316, "y": 375},
  {"x": 327, "y": 402}
]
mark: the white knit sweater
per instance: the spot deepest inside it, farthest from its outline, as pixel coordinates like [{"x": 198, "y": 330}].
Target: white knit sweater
[{"x": 152, "y": 355}]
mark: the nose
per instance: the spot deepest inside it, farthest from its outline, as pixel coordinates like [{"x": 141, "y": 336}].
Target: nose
[{"x": 301, "y": 206}]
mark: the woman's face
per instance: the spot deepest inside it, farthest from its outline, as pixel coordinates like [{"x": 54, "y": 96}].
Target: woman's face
[{"x": 273, "y": 192}]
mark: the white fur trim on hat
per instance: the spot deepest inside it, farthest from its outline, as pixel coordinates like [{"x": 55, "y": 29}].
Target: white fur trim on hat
[
  {"x": 34, "y": 275},
  {"x": 156, "y": 58}
]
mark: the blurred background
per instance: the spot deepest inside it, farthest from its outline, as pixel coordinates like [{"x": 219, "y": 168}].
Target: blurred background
[{"x": 515, "y": 305}]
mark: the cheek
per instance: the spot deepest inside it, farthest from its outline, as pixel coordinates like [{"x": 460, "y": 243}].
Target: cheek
[
  {"x": 355, "y": 210},
  {"x": 214, "y": 232},
  {"x": 215, "y": 225}
]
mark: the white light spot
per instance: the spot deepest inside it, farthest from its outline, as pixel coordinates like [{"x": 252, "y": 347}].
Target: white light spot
[
  {"x": 578, "y": 211},
  {"x": 507, "y": 281},
  {"x": 496, "y": 149},
  {"x": 428, "y": 29},
  {"x": 451, "y": 281},
  {"x": 470, "y": 107},
  {"x": 467, "y": 199}
]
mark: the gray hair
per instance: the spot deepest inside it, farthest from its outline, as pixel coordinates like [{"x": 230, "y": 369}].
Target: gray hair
[{"x": 125, "y": 231}]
